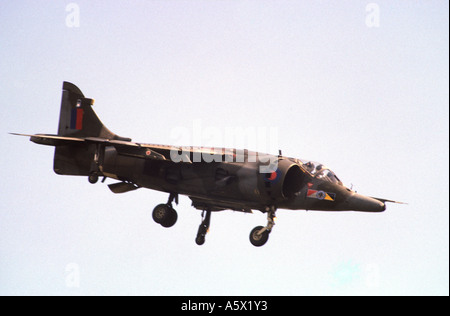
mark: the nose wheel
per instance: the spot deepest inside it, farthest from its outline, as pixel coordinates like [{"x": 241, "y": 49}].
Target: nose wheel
[{"x": 259, "y": 235}]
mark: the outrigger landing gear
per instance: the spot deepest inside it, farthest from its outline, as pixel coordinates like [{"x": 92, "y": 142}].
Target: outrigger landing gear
[
  {"x": 203, "y": 228},
  {"x": 95, "y": 166},
  {"x": 259, "y": 235},
  {"x": 93, "y": 177},
  {"x": 165, "y": 214}
]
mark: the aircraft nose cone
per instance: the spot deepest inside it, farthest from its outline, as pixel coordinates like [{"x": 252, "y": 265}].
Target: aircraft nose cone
[{"x": 359, "y": 202}]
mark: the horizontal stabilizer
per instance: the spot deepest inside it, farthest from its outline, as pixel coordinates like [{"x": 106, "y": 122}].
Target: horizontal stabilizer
[
  {"x": 50, "y": 140},
  {"x": 122, "y": 187},
  {"x": 126, "y": 148}
]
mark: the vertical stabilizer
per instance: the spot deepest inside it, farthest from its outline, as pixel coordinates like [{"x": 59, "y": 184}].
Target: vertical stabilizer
[{"x": 77, "y": 117}]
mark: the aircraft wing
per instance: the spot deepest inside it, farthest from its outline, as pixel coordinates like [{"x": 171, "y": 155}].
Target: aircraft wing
[{"x": 128, "y": 148}]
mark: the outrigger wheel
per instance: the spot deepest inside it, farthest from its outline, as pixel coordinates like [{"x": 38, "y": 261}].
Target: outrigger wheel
[
  {"x": 203, "y": 228},
  {"x": 93, "y": 177}
]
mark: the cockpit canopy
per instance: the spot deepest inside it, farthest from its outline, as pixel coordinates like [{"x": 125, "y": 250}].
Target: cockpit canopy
[{"x": 319, "y": 171}]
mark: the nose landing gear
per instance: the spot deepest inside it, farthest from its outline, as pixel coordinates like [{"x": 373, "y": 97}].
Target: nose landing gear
[{"x": 259, "y": 235}]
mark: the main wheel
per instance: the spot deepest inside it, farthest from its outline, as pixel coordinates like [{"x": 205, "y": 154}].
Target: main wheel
[
  {"x": 165, "y": 215},
  {"x": 171, "y": 219},
  {"x": 257, "y": 239}
]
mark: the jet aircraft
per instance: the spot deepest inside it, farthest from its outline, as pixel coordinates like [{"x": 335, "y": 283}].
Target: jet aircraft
[{"x": 214, "y": 179}]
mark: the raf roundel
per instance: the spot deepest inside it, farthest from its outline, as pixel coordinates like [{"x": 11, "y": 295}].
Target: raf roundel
[{"x": 273, "y": 176}]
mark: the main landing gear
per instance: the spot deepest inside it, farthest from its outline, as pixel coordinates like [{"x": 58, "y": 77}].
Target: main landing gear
[
  {"x": 259, "y": 235},
  {"x": 165, "y": 214}
]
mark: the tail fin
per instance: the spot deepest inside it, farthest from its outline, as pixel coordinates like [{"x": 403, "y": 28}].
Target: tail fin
[{"x": 78, "y": 119}]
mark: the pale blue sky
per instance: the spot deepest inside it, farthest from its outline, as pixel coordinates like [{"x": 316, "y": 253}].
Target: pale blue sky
[{"x": 370, "y": 102}]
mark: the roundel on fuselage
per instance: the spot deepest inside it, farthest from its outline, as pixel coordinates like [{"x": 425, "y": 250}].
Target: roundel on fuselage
[{"x": 273, "y": 176}]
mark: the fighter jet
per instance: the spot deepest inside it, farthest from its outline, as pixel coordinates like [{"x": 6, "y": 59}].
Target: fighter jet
[{"x": 214, "y": 179}]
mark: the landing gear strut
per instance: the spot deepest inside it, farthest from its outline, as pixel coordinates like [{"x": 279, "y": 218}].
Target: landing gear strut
[
  {"x": 165, "y": 214},
  {"x": 259, "y": 235},
  {"x": 203, "y": 228}
]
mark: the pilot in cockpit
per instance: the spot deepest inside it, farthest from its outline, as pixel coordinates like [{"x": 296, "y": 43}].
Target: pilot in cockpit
[
  {"x": 309, "y": 166},
  {"x": 318, "y": 168}
]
